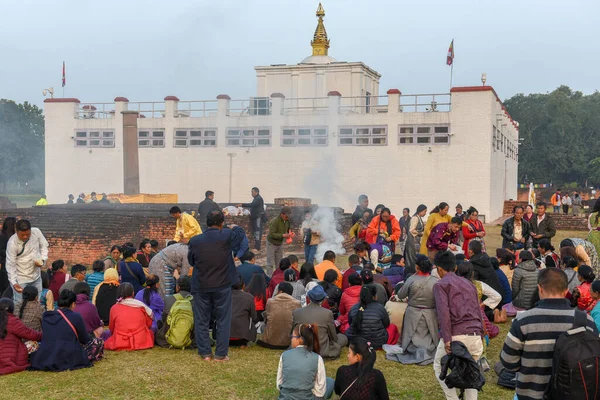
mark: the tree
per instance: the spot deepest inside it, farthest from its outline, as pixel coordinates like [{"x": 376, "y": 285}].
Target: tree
[
  {"x": 22, "y": 143},
  {"x": 558, "y": 132}
]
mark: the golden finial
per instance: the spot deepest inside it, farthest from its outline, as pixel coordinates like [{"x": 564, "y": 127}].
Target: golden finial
[{"x": 320, "y": 43}]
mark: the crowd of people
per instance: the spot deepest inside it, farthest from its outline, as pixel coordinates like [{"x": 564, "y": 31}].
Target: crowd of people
[{"x": 422, "y": 290}]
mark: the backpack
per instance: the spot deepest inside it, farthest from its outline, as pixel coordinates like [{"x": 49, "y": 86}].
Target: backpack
[
  {"x": 575, "y": 372},
  {"x": 181, "y": 322}
]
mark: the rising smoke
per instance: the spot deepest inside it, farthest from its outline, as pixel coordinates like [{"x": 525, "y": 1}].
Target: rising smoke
[{"x": 331, "y": 238}]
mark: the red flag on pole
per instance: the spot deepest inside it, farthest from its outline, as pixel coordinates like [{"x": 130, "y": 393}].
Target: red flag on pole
[
  {"x": 64, "y": 77},
  {"x": 450, "y": 58}
]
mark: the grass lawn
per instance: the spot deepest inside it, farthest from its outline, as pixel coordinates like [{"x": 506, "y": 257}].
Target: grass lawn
[{"x": 251, "y": 373}]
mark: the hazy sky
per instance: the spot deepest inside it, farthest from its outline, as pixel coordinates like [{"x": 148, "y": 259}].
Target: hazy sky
[{"x": 146, "y": 50}]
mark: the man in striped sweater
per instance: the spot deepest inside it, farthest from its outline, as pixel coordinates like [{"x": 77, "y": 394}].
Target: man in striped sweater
[{"x": 529, "y": 346}]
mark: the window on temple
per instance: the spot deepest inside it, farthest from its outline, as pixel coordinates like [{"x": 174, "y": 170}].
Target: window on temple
[
  {"x": 363, "y": 136},
  {"x": 94, "y": 138},
  {"x": 248, "y": 137},
  {"x": 423, "y": 135},
  {"x": 151, "y": 138},
  {"x": 304, "y": 136}
]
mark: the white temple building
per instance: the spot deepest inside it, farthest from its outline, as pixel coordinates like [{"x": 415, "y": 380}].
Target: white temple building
[{"x": 319, "y": 129}]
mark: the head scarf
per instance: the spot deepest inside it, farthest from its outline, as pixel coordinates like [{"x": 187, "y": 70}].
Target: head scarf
[{"x": 111, "y": 276}]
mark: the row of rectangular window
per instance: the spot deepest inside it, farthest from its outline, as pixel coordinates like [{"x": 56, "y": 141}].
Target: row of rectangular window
[{"x": 261, "y": 137}]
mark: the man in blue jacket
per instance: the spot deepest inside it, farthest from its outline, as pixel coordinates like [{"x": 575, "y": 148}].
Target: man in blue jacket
[{"x": 211, "y": 256}]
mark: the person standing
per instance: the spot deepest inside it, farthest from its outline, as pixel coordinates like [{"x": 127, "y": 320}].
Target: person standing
[
  {"x": 438, "y": 215},
  {"x": 404, "y": 223},
  {"x": 279, "y": 229},
  {"x": 459, "y": 317},
  {"x": 542, "y": 225},
  {"x": 81, "y": 198},
  {"x": 187, "y": 226},
  {"x": 26, "y": 253},
  {"x": 310, "y": 236},
  {"x": 460, "y": 212},
  {"x": 205, "y": 207},
  {"x": 413, "y": 238},
  {"x": 257, "y": 213},
  {"x": 529, "y": 346},
  {"x": 556, "y": 201},
  {"x": 42, "y": 201},
  {"x": 363, "y": 205},
  {"x": 577, "y": 202},
  {"x": 71, "y": 199},
  {"x": 566, "y": 203},
  {"x": 211, "y": 256},
  {"x": 8, "y": 229},
  {"x": 472, "y": 229},
  {"x": 515, "y": 230}
]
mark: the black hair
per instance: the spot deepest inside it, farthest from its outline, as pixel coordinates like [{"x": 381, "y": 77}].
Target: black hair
[
  {"x": 385, "y": 209},
  {"x": 151, "y": 287},
  {"x": 570, "y": 262},
  {"x": 171, "y": 242},
  {"x": 8, "y": 227},
  {"x": 407, "y": 210},
  {"x": 596, "y": 286},
  {"x": 257, "y": 286},
  {"x": 379, "y": 206},
  {"x": 185, "y": 283},
  {"x": 66, "y": 298},
  {"x": 475, "y": 246},
  {"x": 98, "y": 266},
  {"x": 248, "y": 255},
  {"x": 289, "y": 275},
  {"x": 439, "y": 207},
  {"x": 329, "y": 256},
  {"x": 540, "y": 203},
  {"x": 6, "y": 307},
  {"x": 567, "y": 243},
  {"x": 546, "y": 245},
  {"x": 460, "y": 258},
  {"x": 586, "y": 273},
  {"x": 30, "y": 293},
  {"x": 293, "y": 259},
  {"x": 127, "y": 244},
  {"x": 361, "y": 347},
  {"x": 310, "y": 336},
  {"x": 115, "y": 247},
  {"x": 22, "y": 225},
  {"x": 56, "y": 265},
  {"x": 472, "y": 210},
  {"x": 175, "y": 210},
  {"x": 596, "y": 210},
  {"x": 505, "y": 257},
  {"x": 153, "y": 243},
  {"x": 307, "y": 273},
  {"x": 553, "y": 280},
  {"x": 367, "y": 296},
  {"x": 515, "y": 208},
  {"x": 286, "y": 287},
  {"x": 445, "y": 260},
  {"x": 286, "y": 210},
  {"x": 215, "y": 218},
  {"x": 208, "y": 193},
  {"x": 495, "y": 263},
  {"x": 353, "y": 259},
  {"x": 465, "y": 270},
  {"x": 367, "y": 276},
  {"x": 425, "y": 265},
  {"x": 359, "y": 247},
  {"x": 77, "y": 268},
  {"x": 143, "y": 244},
  {"x": 330, "y": 276},
  {"x": 125, "y": 290},
  {"x": 81, "y": 288},
  {"x": 239, "y": 283},
  {"x": 284, "y": 264},
  {"x": 355, "y": 279},
  {"x": 525, "y": 255},
  {"x": 456, "y": 220},
  {"x": 257, "y": 190},
  {"x": 396, "y": 258},
  {"x": 45, "y": 279},
  {"x": 128, "y": 251}
]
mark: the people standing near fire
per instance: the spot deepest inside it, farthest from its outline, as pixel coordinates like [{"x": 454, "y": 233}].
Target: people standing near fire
[
  {"x": 205, "y": 207},
  {"x": 279, "y": 230},
  {"x": 311, "y": 236},
  {"x": 384, "y": 229},
  {"x": 257, "y": 216},
  {"x": 26, "y": 254},
  {"x": 438, "y": 215},
  {"x": 187, "y": 226}
]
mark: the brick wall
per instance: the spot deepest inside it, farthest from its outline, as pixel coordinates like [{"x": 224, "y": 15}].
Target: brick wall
[{"x": 84, "y": 233}]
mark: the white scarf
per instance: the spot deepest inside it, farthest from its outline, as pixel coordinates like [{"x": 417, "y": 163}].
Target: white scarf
[{"x": 131, "y": 302}]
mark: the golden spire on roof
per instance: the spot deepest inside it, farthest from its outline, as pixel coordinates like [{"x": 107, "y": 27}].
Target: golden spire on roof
[{"x": 320, "y": 43}]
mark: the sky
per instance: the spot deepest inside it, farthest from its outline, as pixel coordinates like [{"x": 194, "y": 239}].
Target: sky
[{"x": 197, "y": 49}]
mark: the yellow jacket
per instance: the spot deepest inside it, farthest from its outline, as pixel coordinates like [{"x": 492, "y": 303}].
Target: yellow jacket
[
  {"x": 433, "y": 220},
  {"x": 42, "y": 202},
  {"x": 187, "y": 225}
]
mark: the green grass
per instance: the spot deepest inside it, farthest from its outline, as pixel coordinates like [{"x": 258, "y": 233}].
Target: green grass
[{"x": 251, "y": 373}]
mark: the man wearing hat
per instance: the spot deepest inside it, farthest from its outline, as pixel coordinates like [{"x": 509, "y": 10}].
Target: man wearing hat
[{"x": 330, "y": 342}]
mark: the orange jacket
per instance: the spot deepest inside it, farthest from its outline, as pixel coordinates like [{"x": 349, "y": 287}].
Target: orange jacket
[{"x": 378, "y": 226}]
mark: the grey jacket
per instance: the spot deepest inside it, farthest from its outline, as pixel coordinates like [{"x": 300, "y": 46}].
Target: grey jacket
[
  {"x": 524, "y": 285},
  {"x": 323, "y": 318}
]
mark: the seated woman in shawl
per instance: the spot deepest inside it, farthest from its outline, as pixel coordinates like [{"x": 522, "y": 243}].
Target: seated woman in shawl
[
  {"x": 130, "y": 322},
  {"x": 105, "y": 294}
]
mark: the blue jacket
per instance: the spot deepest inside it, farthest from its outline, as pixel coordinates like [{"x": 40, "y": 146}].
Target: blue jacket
[
  {"x": 211, "y": 256},
  {"x": 247, "y": 270},
  {"x": 507, "y": 294},
  {"x": 136, "y": 277}
]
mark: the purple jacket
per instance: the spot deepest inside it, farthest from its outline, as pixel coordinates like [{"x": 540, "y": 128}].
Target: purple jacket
[
  {"x": 439, "y": 238},
  {"x": 89, "y": 313},
  {"x": 395, "y": 274},
  {"x": 157, "y": 305}
]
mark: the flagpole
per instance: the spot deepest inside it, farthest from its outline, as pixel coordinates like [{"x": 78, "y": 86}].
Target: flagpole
[{"x": 451, "y": 73}]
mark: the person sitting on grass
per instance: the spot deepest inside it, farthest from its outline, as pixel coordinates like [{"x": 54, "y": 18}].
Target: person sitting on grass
[
  {"x": 258, "y": 289},
  {"x": 105, "y": 294},
  {"x": 291, "y": 276},
  {"x": 83, "y": 306},
  {"x": 29, "y": 310},
  {"x": 395, "y": 273},
  {"x": 243, "y": 316},
  {"x": 301, "y": 372},
  {"x": 130, "y": 322},
  {"x": 582, "y": 297},
  {"x": 46, "y": 298},
  {"x": 278, "y": 318},
  {"x": 130, "y": 270},
  {"x": 278, "y": 276},
  {"x": 183, "y": 290},
  {"x": 77, "y": 275},
  {"x": 248, "y": 268},
  {"x": 369, "y": 320},
  {"x": 359, "y": 380},
  {"x": 368, "y": 279},
  {"x": 64, "y": 336},
  {"x": 152, "y": 298},
  {"x": 96, "y": 277},
  {"x": 13, "y": 353},
  {"x": 349, "y": 298},
  {"x": 354, "y": 267},
  {"x": 334, "y": 293}
]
